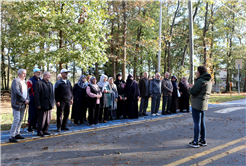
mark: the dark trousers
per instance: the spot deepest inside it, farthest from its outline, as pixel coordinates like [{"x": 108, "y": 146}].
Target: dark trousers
[
  {"x": 199, "y": 124},
  {"x": 155, "y": 104},
  {"x": 93, "y": 115},
  {"x": 44, "y": 117},
  {"x": 103, "y": 111},
  {"x": 33, "y": 114},
  {"x": 64, "y": 107},
  {"x": 144, "y": 105},
  {"x": 167, "y": 100},
  {"x": 112, "y": 113}
]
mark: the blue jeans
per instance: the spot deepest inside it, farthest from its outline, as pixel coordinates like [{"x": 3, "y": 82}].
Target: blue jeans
[{"x": 199, "y": 124}]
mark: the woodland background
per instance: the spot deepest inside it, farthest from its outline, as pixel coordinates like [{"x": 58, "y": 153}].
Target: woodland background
[{"x": 108, "y": 37}]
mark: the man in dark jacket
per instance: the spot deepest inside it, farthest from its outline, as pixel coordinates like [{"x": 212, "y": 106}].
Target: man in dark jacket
[
  {"x": 144, "y": 93},
  {"x": 32, "y": 114},
  {"x": 44, "y": 99},
  {"x": 64, "y": 98}
]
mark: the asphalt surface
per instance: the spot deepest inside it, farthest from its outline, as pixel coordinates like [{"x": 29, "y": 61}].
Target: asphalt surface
[{"x": 157, "y": 142}]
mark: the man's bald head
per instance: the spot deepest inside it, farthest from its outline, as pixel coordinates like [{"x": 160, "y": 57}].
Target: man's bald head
[
  {"x": 146, "y": 74},
  {"x": 157, "y": 76}
]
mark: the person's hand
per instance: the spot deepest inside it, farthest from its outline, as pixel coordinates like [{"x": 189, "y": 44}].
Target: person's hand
[
  {"x": 116, "y": 99},
  {"x": 178, "y": 88},
  {"x": 105, "y": 91},
  {"x": 58, "y": 104},
  {"x": 191, "y": 85},
  {"x": 71, "y": 102},
  {"x": 180, "y": 93},
  {"x": 26, "y": 102},
  {"x": 125, "y": 98},
  {"x": 138, "y": 98},
  {"x": 39, "y": 107},
  {"x": 151, "y": 96}
]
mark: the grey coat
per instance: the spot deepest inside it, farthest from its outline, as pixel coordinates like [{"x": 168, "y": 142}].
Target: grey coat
[
  {"x": 155, "y": 87},
  {"x": 17, "y": 100},
  {"x": 166, "y": 87}
]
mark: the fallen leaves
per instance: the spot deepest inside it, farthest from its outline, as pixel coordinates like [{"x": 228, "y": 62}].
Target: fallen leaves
[{"x": 117, "y": 152}]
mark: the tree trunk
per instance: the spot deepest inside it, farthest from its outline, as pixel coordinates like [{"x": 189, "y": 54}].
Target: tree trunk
[
  {"x": 170, "y": 38},
  {"x": 139, "y": 32},
  {"x": 74, "y": 73},
  {"x": 204, "y": 36},
  {"x": 61, "y": 39},
  {"x": 8, "y": 72},
  {"x": 187, "y": 41},
  {"x": 228, "y": 78},
  {"x": 124, "y": 41},
  {"x": 244, "y": 88},
  {"x": 112, "y": 49},
  {"x": 97, "y": 73},
  {"x": 212, "y": 44}
]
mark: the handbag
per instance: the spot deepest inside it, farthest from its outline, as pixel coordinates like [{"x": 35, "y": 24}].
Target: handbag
[{"x": 178, "y": 94}]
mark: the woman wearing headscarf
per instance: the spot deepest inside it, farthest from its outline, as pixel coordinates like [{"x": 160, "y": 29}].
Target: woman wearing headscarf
[
  {"x": 79, "y": 100},
  {"x": 175, "y": 99},
  {"x": 106, "y": 98},
  {"x": 132, "y": 95},
  {"x": 114, "y": 99},
  {"x": 185, "y": 95},
  {"x": 121, "y": 106},
  {"x": 94, "y": 94}
]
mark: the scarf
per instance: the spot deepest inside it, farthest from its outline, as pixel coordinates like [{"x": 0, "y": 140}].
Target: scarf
[
  {"x": 80, "y": 83},
  {"x": 102, "y": 84},
  {"x": 174, "y": 82},
  {"x": 185, "y": 83}
]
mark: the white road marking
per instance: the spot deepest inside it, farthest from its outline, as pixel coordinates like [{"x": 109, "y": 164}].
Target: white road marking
[{"x": 227, "y": 110}]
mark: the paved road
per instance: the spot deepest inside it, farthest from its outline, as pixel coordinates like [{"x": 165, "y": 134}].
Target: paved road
[{"x": 157, "y": 142}]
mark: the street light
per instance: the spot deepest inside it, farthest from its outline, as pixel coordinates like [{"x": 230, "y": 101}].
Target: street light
[
  {"x": 159, "y": 52},
  {"x": 191, "y": 42}
]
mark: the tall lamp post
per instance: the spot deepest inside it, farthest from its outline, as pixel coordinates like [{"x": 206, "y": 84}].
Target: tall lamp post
[
  {"x": 191, "y": 51},
  {"x": 159, "y": 52}
]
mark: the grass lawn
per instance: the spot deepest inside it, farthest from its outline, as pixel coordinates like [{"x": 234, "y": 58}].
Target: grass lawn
[{"x": 6, "y": 115}]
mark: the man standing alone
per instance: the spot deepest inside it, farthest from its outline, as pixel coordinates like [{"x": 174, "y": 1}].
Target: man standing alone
[
  {"x": 144, "y": 93},
  {"x": 44, "y": 99},
  {"x": 63, "y": 97}
]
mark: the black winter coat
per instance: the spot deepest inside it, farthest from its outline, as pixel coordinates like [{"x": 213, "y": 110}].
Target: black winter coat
[{"x": 44, "y": 95}]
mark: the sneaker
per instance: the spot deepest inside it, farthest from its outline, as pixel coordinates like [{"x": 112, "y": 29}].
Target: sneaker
[
  {"x": 158, "y": 114},
  {"x": 153, "y": 114},
  {"x": 19, "y": 137},
  {"x": 13, "y": 140},
  {"x": 59, "y": 129},
  {"x": 202, "y": 143},
  {"x": 46, "y": 133},
  {"x": 194, "y": 144}
]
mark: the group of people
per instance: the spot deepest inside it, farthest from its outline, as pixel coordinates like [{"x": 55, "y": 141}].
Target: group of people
[{"x": 108, "y": 99}]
